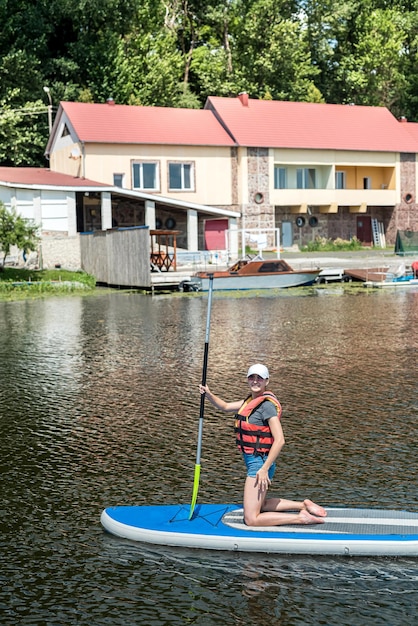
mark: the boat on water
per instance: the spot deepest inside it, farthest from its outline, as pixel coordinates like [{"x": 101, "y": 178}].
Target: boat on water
[
  {"x": 252, "y": 274},
  {"x": 400, "y": 277},
  {"x": 385, "y": 276},
  {"x": 401, "y": 281},
  {"x": 346, "y": 531}
]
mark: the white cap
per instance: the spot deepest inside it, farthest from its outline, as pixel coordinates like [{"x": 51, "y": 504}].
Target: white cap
[{"x": 259, "y": 369}]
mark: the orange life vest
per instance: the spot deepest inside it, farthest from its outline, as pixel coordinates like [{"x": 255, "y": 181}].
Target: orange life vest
[{"x": 252, "y": 438}]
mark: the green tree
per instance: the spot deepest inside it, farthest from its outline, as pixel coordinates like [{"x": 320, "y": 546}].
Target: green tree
[
  {"x": 214, "y": 62},
  {"x": 374, "y": 73},
  {"x": 409, "y": 96},
  {"x": 16, "y": 231},
  {"x": 363, "y": 50},
  {"x": 271, "y": 53},
  {"x": 148, "y": 70},
  {"x": 23, "y": 133},
  {"x": 178, "y": 52}
]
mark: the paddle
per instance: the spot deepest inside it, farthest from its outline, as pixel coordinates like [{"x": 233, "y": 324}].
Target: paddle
[{"x": 202, "y": 403}]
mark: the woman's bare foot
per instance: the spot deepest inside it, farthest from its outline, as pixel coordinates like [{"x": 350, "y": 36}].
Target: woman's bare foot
[
  {"x": 306, "y": 518},
  {"x": 314, "y": 509}
]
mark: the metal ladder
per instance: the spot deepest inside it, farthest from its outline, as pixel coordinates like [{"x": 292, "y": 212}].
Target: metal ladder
[{"x": 377, "y": 233}]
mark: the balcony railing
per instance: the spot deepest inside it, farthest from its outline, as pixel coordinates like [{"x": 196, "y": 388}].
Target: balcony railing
[{"x": 164, "y": 250}]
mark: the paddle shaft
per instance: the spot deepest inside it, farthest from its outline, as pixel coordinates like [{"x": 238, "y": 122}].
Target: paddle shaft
[{"x": 202, "y": 402}]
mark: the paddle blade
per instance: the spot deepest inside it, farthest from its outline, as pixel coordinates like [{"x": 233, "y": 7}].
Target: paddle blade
[{"x": 195, "y": 489}]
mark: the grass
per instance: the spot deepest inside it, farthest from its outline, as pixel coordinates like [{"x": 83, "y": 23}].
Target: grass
[
  {"x": 321, "y": 244},
  {"x": 19, "y": 284}
]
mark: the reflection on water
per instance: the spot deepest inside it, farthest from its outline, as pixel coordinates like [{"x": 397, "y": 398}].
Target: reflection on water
[{"x": 99, "y": 405}]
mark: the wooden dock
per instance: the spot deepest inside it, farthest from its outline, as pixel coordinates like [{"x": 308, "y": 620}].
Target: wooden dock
[
  {"x": 168, "y": 280},
  {"x": 128, "y": 258}
]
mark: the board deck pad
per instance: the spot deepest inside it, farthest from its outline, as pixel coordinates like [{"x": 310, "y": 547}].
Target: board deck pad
[{"x": 339, "y": 520}]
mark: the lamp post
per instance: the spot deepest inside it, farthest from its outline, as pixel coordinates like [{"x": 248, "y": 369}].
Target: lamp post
[{"x": 46, "y": 89}]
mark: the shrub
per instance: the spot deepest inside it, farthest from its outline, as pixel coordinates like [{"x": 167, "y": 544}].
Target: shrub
[{"x": 321, "y": 244}]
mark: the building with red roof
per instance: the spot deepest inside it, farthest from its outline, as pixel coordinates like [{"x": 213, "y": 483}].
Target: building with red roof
[
  {"x": 323, "y": 169},
  {"x": 308, "y": 169},
  {"x": 310, "y": 126},
  {"x": 239, "y": 164}
]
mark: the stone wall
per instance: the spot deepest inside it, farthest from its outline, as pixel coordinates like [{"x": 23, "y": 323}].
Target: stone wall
[
  {"x": 58, "y": 249},
  {"x": 258, "y": 212},
  {"x": 405, "y": 216},
  {"x": 54, "y": 250}
]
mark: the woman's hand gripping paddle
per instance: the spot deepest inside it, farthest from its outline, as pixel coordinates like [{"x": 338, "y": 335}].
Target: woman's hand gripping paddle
[{"x": 202, "y": 403}]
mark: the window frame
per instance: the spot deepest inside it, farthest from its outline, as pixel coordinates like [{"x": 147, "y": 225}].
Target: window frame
[
  {"x": 122, "y": 180},
  {"x": 304, "y": 176},
  {"x": 340, "y": 174},
  {"x": 280, "y": 176},
  {"x": 140, "y": 165},
  {"x": 182, "y": 165}
]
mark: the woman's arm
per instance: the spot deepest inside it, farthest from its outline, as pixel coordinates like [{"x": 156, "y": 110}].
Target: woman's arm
[
  {"x": 278, "y": 443},
  {"x": 227, "y": 407}
]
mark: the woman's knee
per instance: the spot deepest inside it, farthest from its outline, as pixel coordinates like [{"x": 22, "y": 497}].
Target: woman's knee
[{"x": 250, "y": 518}]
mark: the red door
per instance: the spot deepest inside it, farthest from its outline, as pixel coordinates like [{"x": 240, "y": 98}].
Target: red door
[
  {"x": 364, "y": 229},
  {"x": 215, "y": 235}
]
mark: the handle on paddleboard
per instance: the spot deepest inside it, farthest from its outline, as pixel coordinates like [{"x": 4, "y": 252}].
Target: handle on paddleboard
[{"x": 202, "y": 403}]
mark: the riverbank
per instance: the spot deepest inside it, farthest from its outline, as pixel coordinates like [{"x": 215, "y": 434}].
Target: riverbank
[{"x": 22, "y": 284}]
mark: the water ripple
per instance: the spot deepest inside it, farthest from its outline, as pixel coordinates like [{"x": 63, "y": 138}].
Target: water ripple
[{"x": 99, "y": 405}]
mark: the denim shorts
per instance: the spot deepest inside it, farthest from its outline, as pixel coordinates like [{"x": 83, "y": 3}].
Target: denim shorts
[{"x": 254, "y": 462}]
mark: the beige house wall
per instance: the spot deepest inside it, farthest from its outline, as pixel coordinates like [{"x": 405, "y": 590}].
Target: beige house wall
[
  {"x": 242, "y": 176},
  {"x": 62, "y": 161},
  {"x": 221, "y": 180},
  {"x": 212, "y": 167}
]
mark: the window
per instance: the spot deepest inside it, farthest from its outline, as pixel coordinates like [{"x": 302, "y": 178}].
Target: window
[
  {"x": 339, "y": 180},
  {"x": 145, "y": 176},
  {"x": 280, "y": 177},
  {"x": 118, "y": 180},
  {"x": 305, "y": 178},
  {"x": 180, "y": 176},
  {"x": 273, "y": 266},
  {"x": 367, "y": 182}
]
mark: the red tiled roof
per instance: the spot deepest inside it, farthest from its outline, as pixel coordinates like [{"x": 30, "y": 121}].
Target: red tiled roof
[
  {"x": 277, "y": 124},
  {"x": 412, "y": 128},
  {"x": 42, "y": 176},
  {"x": 116, "y": 123}
]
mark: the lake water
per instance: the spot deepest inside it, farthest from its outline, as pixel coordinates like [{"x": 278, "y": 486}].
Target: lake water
[{"x": 100, "y": 406}]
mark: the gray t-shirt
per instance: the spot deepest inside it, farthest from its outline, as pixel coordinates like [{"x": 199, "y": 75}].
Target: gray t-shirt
[{"x": 263, "y": 413}]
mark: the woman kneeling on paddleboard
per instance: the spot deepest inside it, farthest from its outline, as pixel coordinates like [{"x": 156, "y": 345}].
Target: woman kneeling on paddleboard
[{"x": 260, "y": 439}]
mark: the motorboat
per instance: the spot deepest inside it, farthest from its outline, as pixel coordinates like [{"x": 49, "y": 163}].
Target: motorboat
[
  {"x": 408, "y": 280},
  {"x": 252, "y": 274}
]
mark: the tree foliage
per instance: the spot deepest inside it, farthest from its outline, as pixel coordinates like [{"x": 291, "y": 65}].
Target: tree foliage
[
  {"x": 16, "y": 231},
  {"x": 177, "y": 52}
]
